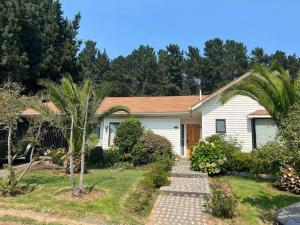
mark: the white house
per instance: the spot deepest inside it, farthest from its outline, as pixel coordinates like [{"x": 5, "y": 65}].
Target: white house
[{"x": 186, "y": 119}]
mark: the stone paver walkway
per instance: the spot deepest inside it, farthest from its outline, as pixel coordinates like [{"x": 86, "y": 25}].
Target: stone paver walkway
[{"x": 181, "y": 202}]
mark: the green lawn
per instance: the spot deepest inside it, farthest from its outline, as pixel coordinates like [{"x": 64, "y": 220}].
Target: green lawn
[
  {"x": 116, "y": 184},
  {"x": 257, "y": 199}
]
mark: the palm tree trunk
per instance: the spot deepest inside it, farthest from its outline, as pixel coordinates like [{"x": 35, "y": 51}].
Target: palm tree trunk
[
  {"x": 82, "y": 168},
  {"x": 71, "y": 157}
]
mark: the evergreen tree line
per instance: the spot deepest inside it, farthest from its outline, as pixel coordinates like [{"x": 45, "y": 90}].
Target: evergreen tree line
[{"x": 38, "y": 41}]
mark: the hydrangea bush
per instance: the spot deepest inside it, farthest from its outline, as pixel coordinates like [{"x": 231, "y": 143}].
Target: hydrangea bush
[{"x": 208, "y": 158}]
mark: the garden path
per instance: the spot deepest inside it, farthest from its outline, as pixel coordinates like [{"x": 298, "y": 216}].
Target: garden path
[{"x": 181, "y": 202}]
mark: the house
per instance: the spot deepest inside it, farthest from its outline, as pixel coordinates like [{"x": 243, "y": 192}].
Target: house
[{"x": 186, "y": 119}]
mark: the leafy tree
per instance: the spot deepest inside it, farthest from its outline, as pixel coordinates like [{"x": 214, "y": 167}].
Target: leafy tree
[
  {"x": 273, "y": 88},
  {"x": 171, "y": 62},
  {"x": 192, "y": 71},
  {"x": 93, "y": 63},
  {"x": 143, "y": 67},
  {"x": 222, "y": 63},
  {"x": 36, "y": 41},
  {"x": 122, "y": 83}
]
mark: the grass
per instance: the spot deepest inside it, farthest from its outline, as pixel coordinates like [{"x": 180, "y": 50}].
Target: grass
[
  {"x": 258, "y": 200},
  {"x": 24, "y": 220},
  {"x": 116, "y": 184}
]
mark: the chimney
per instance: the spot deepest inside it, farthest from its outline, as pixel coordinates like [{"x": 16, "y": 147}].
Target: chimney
[{"x": 200, "y": 93}]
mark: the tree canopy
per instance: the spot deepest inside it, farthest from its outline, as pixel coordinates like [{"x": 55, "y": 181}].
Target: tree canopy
[{"x": 38, "y": 41}]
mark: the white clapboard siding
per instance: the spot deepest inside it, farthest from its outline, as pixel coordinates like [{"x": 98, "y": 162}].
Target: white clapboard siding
[
  {"x": 235, "y": 112},
  {"x": 166, "y": 126}
]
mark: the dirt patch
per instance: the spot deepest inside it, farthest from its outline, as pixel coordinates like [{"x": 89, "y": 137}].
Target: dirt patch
[
  {"x": 46, "y": 166},
  {"x": 66, "y": 194},
  {"x": 41, "y": 217}
]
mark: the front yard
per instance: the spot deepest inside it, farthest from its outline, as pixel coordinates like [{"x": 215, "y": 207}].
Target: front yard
[
  {"x": 257, "y": 200},
  {"x": 116, "y": 184}
]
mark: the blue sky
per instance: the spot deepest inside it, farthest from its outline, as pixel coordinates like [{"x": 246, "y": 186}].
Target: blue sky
[{"x": 119, "y": 26}]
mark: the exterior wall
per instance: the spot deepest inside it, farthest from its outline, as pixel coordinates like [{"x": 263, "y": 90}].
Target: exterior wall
[
  {"x": 235, "y": 112},
  {"x": 167, "y": 126}
]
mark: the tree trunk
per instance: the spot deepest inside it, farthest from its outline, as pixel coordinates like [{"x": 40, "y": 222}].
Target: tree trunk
[
  {"x": 9, "y": 153},
  {"x": 71, "y": 158},
  {"x": 82, "y": 167},
  {"x": 31, "y": 155}
]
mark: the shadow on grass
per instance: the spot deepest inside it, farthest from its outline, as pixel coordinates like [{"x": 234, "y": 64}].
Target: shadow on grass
[
  {"x": 43, "y": 179},
  {"x": 264, "y": 201}
]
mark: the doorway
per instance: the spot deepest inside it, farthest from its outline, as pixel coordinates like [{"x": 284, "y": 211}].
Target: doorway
[{"x": 192, "y": 137}]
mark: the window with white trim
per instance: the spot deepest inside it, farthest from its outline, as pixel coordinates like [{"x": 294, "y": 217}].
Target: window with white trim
[{"x": 220, "y": 126}]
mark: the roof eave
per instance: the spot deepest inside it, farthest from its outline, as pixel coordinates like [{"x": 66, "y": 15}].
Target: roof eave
[{"x": 221, "y": 90}]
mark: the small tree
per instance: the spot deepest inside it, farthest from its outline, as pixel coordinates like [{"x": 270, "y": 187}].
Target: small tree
[
  {"x": 90, "y": 98},
  {"x": 12, "y": 103}
]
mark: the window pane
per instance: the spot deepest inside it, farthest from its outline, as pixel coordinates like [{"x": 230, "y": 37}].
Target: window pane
[
  {"x": 112, "y": 132},
  {"x": 220, "y": 126}
]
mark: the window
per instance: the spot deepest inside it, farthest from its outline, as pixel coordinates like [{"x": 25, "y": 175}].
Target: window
[
  {"x": 182, "y": 138},
  {"x": 220, "y": 126},
  {"x": 112, "y": 132}
]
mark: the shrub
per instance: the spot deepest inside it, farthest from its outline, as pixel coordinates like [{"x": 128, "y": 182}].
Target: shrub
[
  {"x": 290, "y": 133},
  {"x": 127, "y": 134},
  {"x": 208, "y": 157},
  {"x": 269, "y": 158},
  {"x": 221, "y": 203},
  {"x": 57, "y": 156},
  {"x": 112, "y": 156},
  {"x": 10, "y": 186},
  {"x": 240, "y": 162},
  {"x": 149, "y": 147},
  {"x": 288, "y": 180},
  {"x": 96, "y": 156},
  {"x": 141, "y": 200},
  {"x": 232, "y": 150}
]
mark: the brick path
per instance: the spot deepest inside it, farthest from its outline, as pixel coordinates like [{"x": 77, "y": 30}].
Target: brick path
[{"x": 180, "y": 203}]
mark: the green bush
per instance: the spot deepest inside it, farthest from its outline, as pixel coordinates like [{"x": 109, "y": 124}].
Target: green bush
[
  {"x": 269, "y": 158},
  {"x": 141, "y": 200},
  {"x": 289, "y": 133},
  {"x": 240, "y": 162},
  {"x": 127, "y": 134},
  {"x": 208, "y": 157},
  {"x": 96, "y": 156},
  {"x": 221, "y": 203},
  {"x": 57, "y": 156},
  {"x": 112, "y": 156},
  {"x": 149, "y": 147},
  {"x": 232, "y": 150}
]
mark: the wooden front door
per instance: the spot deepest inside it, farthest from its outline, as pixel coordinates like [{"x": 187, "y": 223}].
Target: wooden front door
[{"x": 193, "y": 136}]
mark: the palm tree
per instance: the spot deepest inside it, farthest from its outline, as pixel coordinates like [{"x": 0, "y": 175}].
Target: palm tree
[
  {"x": 90, "y": 98},
  {"x": 65, "y": 98},
  {"x": 273, "y": 88}
]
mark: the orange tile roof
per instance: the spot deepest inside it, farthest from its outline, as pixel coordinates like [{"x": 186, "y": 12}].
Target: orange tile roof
[
  {"x": 260, "y": 112},
  {"x": 157, "y": 104},
  {"x": 30, "y": 111}
]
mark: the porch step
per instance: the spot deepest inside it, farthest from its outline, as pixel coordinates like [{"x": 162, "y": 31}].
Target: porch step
[
  {"x": 187, "y": 186},
  {"x": 182, "y": 169}
]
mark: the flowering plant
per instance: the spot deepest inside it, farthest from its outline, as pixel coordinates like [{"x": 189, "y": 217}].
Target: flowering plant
[{"x": 208, "y": 157}]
